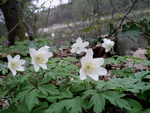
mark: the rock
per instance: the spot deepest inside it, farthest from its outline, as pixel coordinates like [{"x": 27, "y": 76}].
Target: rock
[{"x": 124, "y": 45}]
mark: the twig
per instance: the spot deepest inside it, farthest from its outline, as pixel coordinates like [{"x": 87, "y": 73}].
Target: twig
[
  {"x": 116, "y": 9},
  {"x": 113, "y": 6},
  {"x": 127, "y": 13},
  {"x": 20, "y": 22}
]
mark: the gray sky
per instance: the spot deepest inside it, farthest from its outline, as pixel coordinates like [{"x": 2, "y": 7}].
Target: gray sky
[{"x": 52, "y": 2}]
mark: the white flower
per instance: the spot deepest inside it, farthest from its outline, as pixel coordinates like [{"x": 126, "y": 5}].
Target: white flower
[
  {"x": 78, "y": 47},
  {"x": 15, "y": 64},
  {"x": 40, "y": 57},
  {"x": 91, "y": 67},
  {"x": 53, "y": 35},
  {"x": 26, "y": 34},
  {"x": 108, "y": 44}
]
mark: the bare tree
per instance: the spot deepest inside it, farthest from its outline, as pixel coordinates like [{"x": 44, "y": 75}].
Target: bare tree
[{"x": 13, "y": 16}]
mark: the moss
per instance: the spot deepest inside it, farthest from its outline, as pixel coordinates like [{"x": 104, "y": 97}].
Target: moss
[
  {"x": 148, "y": 52},
  {"x": 21, "y": 30}
]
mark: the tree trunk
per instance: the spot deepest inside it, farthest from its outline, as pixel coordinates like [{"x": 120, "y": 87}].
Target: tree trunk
[{"x": 13, "y": 16}]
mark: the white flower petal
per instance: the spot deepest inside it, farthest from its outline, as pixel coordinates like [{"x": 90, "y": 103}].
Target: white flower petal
[
  {"x": 44, "y": 66},
  {"x": 17, "y": 57},
  {"x": 20, "y": 68},
  {"x": 36, "y": 67},
  {"x": 33, "y": 61},
  {"x": 89, "y": 54},
  {"x": 73, "y": 45},
  {"x": 112, "y": 43},
  {"x": 98, "y": 61},
  {"x": 84, "y": 49},
  {"x": 32, "y": 52},
  {"x": 13, "y": 71},
  {"x": 106, "y": 41},
  {"x": 9, "y": 61},
  {"x": 47, "y": 55},
  {"x": 9, "y": 58},
  {"x": 45, "y": 61},
  {"x": 84, "y": 60},
  {"x": 78, "y": 51},
  {"x": 79, "y": 40},
  {"x": 101, "y": 71},
  {"x": 85, "y": 44},
  {"x": 9, "y": 66},
  {"x": 82, "y": 74},
  {"x": 93, "y": 76},
  {"x": 104, "y": 45},
  {"x": 47, "y": 47},
  {"x": 21, "y": 62},
  {"x": 107, "y": 49},
  {"x": 73, "y": 50},
  {"x": 42, "y": 50}
]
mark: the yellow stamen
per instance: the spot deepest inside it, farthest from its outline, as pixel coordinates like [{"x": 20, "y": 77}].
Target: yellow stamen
[
  {"x": 39, "y": 58},
  {"x": 89, "y": 67},
  {"x": 14, "y": 65}
]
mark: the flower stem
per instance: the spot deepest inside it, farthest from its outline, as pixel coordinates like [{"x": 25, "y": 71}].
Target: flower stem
[
  {"x": 85, "y": 85},
  {"x": 66, "y": 81}
]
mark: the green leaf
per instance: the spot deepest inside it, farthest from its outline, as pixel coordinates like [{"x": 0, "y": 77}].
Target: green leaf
[
  {"x": 77, "y": 88},
  {"x": 146, "y": 111},
  {"x": 2, "y": 94},
  {"x": 23, "y": 92},
  {"x": 124, "y": 72},
  {"x": 45, "y": 80},
  {"x": 112, "y": 30},
  {"x": 31, "y": 45},
  {"x": 63, "y": 94},
  {"x": 141, "y": 75},
  {"x": 134, "y": 110},
  {"x": 71, "y": 105},
  {"x": 23, "y": 107},
  {"x": 145, "y": 23},
  {"x": 89, "y": 93},
  {"x": 8, "y": 110},
  {"x": 145, "y": 96},
  {"x": 31, "y": 99},
  {"x": 67, "y": 94},
  {"x": 81, "y": 102},
  {"x": 134, "y": 104},
  {"x": 91, "y": 40},
  {"x": 45, "y": 89},
  {"x": 87, "y": 29},
  {"x": 98, "y": 101},
  {"x": 110, "y": 61},
  {"x": 23, "y": 77},
  {"x": 40, "y": 108},
  {"x": 132, "y": 32},
  {"x": 115, "y": 99}
]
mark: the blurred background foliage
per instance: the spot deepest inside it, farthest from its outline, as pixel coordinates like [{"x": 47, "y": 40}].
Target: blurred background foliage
[{"x": 76, "y": 18}]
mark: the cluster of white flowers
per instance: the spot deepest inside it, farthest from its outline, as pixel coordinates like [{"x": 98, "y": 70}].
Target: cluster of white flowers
[
  {"x": 39, "y": 59},
  {"x": 90, "y": 66}
]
